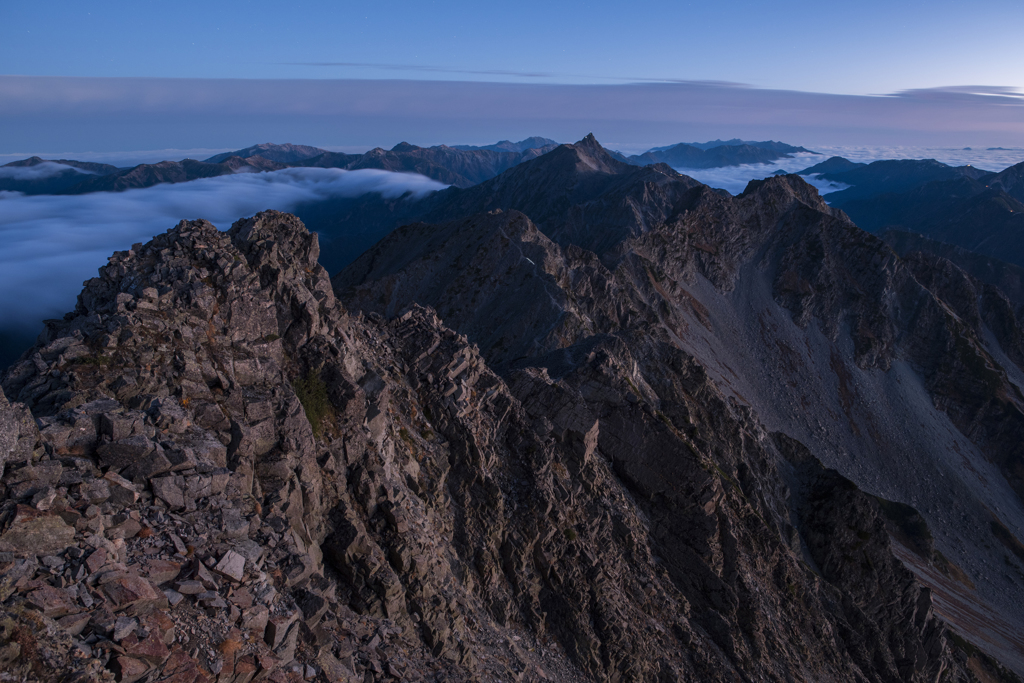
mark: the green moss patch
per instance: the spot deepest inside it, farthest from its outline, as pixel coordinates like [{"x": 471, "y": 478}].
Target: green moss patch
[{"x": 312, "y": 393}]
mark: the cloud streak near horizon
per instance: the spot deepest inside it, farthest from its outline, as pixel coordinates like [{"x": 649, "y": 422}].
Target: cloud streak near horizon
[
  {"x": 51, "y": 244},
  {"x": 148, "y": 113}
]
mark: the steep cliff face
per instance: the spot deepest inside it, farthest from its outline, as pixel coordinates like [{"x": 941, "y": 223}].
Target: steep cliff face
[
  {"x": 230, "y": 477},
  {"x": 899, "y": 373}
]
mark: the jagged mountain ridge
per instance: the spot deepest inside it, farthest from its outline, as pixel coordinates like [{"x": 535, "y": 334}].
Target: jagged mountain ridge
[
  {"x": 875, "y": 363},
  {"x": 535, "y": 142},
  {"x": 371, "y": 500},
  {"x": 566, "y": 190}
]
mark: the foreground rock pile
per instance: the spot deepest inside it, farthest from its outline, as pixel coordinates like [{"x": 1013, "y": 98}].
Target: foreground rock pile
[{"x": 213, "y": 472}]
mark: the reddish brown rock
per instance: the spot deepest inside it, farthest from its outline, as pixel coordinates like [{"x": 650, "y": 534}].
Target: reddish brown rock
[
  {"x": 133, "y": 592},
  {"x": 53, "y": 602},
  {"x": 96, "y": 560},
  {"x": 180, "y": 668},
  {"x": 231, "y": 566},
  {"x": 129, "y": 669},
  {"x": 35, "y": 532},
  {"x": 161, "y": 571},
  {"x": 74, "y": 624},
  {"x": 151, "y": 649}
]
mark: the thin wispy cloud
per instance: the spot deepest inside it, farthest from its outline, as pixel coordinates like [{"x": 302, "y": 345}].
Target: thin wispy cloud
[
  {"x": 423, "y": 68},
  {"x": 145, "y": 113},
  {"x": 53, "y": 243},
  {"x": 960, "y": 93}
]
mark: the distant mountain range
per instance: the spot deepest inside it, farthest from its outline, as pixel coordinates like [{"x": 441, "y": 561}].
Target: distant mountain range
[
  {"x": 509, "y": 146},
  {"x": 282, "y": 154},
  {"x": 717, "y": 154},
  {"x": 780, "y": 147},
  {"x": 459, "y": 165},
  {"x": 981, "y": 211},
  {"x": 449, "y": 165}
]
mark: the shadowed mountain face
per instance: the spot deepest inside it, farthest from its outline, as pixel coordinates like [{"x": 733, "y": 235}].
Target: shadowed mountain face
[
  {"x": 973, "y": 209},
  {"x": 891, "y": 176},
  {"x": 903, "y": 374},
  {"x": 579, "y": 194}
]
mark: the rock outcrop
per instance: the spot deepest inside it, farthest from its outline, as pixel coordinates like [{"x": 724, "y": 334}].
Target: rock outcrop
[
  {"x": 900, "y": 373},
  {"x": 230, "y": 477}
]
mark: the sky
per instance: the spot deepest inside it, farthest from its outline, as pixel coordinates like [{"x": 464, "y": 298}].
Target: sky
[
  {"x": 858, "y": 48},
  {"x": 97, "y": 77}
]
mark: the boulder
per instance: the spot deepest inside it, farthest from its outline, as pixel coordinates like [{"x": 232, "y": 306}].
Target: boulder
[{"x": 35, "y": 532}]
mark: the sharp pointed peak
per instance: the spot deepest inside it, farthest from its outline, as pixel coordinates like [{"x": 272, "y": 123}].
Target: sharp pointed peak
[{"x": 589, "y": 141}]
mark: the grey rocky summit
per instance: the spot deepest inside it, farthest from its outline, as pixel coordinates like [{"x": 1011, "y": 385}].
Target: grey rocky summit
[{"x": 232, "y": 476}]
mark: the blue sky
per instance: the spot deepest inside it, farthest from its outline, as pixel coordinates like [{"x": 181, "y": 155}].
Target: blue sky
[
  {"x": 864, "y": 47},
  {"x": 79, "y": 77}
]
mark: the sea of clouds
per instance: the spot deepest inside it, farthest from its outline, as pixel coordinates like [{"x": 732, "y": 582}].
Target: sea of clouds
[{"x": 49, "y": 245}]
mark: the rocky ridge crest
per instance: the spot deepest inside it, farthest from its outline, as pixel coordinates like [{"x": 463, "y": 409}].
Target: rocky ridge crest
[
  {"x": 230, "y": 477},
  {"x": 898, "y": 372}
]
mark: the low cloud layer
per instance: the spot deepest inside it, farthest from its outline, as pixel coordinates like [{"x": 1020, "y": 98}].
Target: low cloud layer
[
  {"x": 735, "y": 178},
  {"x": 51, "y": 244},
  {"x": 47, "y": 169}
]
